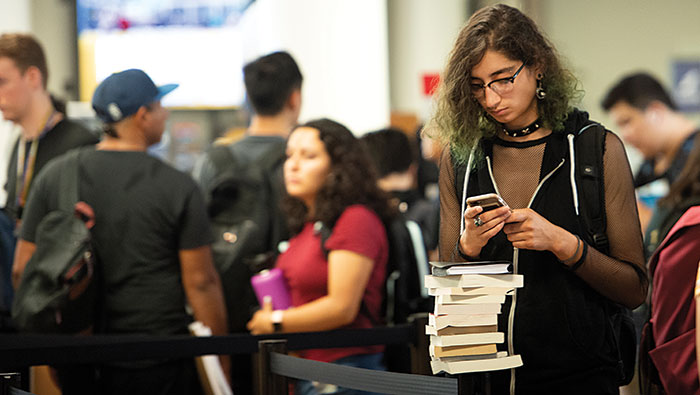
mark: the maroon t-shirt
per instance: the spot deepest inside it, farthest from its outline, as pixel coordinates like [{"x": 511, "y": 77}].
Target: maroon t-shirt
[{"x": 305, "y": 268}]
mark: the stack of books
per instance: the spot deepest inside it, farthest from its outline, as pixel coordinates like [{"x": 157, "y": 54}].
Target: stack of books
[{"x": 463, "y": 328}]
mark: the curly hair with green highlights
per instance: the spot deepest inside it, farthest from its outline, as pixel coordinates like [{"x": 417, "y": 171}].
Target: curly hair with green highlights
[{"x": 459, "y": 119}]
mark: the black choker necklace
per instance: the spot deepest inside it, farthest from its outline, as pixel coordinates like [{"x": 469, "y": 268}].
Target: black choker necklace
[{"x": 524, "y": 131}]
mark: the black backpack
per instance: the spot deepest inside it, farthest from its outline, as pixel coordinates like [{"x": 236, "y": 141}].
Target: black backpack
[
  {"x": 58, "y": 289},
  {"x": 244, "y": 213},
  {"x": 589, "y": 144}
]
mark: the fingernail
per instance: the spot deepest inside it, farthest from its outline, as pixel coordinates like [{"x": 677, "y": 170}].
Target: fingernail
[{"x": 267, "y": 299}]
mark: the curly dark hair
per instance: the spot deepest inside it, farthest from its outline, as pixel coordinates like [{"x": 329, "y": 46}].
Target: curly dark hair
[
  {"x": 459, "y": 119},
  {"x": 352, "y": 180}
]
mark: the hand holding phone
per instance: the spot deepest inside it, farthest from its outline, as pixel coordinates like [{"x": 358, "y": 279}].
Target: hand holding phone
[{"x": 475, "y": 236}]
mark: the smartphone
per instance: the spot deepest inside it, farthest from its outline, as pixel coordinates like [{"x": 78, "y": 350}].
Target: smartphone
[{"x": 488, "y": 201}]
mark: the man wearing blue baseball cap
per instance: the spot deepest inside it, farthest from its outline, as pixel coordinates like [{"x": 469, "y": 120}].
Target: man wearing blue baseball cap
[{"x": 151, "y": 235}]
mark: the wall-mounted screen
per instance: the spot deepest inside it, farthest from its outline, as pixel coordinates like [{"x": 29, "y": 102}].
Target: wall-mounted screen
[{"x": 195, "y": 43}]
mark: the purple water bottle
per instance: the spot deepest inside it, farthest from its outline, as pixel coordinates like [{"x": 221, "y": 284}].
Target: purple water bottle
[{"x": 271, "y": 283}]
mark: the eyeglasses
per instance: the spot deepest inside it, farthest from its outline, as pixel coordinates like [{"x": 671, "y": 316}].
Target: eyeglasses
[{"x": 501, "y": 86}]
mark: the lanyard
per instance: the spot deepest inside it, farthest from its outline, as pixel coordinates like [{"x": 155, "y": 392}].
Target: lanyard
[{"x": 25, "y": 164}]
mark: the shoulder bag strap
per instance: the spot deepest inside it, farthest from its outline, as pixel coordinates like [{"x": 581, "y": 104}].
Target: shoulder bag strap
[
  {"x": 68, "y": 189},
  {"x": 590, "y": 148}
]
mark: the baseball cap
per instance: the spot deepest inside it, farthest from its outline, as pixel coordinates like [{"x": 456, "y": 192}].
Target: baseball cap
[{"x": 122, "y": 94}]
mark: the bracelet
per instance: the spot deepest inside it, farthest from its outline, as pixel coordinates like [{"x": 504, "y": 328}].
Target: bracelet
[
  {"x": 571, "y": 258},
  {"x": 583, "y": 258}
]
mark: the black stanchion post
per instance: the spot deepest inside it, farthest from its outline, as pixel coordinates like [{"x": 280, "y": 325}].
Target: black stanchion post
[
  {"x": 465, "y": 384},
  {"x": 420, "y": 358},
  {"x": 474, "y": 383},
  {"x": 268, "y": 382},
  {"x": 487, "y": 383}
]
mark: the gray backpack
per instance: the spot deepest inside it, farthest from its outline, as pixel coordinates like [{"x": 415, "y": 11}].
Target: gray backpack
[{"x": 58, "y": 291}]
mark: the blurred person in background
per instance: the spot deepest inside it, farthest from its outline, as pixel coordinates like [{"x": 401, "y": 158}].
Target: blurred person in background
[
  {"x": 396, "y": 162},
  {"x": 273, "y": 85},
  {"x": 162, "y": 263},
  {"x": 45, "y": 131},
  {"x": 648, "y": 119},
  {"x": 8, "y": 135}
]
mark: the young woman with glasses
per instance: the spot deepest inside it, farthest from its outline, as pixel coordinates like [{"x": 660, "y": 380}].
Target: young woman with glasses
[{"x": 504, "y": 106}]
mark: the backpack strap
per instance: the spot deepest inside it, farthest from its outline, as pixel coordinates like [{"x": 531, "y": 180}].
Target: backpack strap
[
  {"x": 222, "y": 157},
  {"x": 68, "y": 185},
  {"x": 590, "y": 149}
]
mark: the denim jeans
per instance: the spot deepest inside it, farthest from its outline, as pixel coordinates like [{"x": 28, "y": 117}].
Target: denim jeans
[
  {"x": 366, "y": 361},
  {"x": 7, "y": 254}
]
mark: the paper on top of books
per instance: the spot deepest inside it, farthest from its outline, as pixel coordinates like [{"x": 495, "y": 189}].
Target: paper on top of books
[
  {"x": 481, "y": 267},
  {"x": 455, "y": 366}
]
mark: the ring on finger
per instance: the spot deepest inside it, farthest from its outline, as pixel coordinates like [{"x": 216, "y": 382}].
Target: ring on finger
[{"x": 477, "y": 222}]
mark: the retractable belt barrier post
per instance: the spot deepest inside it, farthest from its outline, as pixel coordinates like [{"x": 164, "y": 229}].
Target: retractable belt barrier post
[
  {"x": 420, "y": 358},
  {"x": 270, "y": 383}
]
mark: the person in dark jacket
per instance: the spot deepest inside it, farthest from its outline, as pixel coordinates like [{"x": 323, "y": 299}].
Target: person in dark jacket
[
  {"x": 504, "y": 106},
  {"x": 46, "y": 133}
]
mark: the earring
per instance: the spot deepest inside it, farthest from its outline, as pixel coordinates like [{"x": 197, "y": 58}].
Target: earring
[{"x": 539, "y": 91}]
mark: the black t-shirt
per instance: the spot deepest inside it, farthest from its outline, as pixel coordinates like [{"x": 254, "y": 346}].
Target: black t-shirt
[
  {"x": 145, "y": 212},
  {"x": 64, "y": 136}
]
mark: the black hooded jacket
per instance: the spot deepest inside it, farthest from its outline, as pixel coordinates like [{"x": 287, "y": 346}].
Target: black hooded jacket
[{"x": 561, "y": 325}]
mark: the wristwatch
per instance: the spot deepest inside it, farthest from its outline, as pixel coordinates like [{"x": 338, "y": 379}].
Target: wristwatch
[{"x": 276, "y": 318}]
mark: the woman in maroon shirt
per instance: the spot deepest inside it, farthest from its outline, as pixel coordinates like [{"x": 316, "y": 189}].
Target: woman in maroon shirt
[{"x": 329, "y": 180}]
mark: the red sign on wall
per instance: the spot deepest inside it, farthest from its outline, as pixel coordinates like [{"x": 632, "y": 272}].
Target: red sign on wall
[{"x": 430, "y": 83}]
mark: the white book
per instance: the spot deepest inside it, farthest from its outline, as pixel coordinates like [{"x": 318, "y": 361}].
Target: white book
[
  {"x": 469, "y": 299},
  {"x": 470, "y": 291},
  {"x": 480, "y": 308},
  {"x": 476, "y": 365},
  {"x": 468, "y": 339},
  {"x": 441, "y": 321},
  {"x": 460, "y": 330},
  {"x": 474, "y": 280}
]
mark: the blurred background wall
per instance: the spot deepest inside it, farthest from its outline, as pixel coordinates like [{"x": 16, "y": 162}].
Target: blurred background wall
[{"x": 367, "y": 62}]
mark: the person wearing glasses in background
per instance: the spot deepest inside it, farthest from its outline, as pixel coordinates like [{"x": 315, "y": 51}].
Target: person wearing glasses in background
[{"x": 504, "y": 106}]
